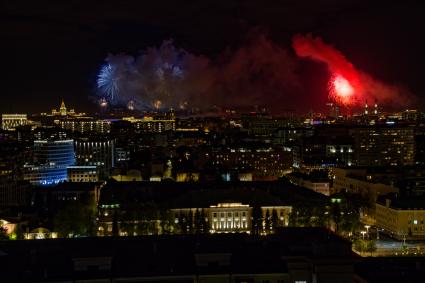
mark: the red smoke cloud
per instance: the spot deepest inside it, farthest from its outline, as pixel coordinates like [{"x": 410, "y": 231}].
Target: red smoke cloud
[{"x": 344, "y": 76}]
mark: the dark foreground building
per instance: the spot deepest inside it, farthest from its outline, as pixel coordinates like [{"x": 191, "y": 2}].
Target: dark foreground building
[{"x": 292, "y": 255}]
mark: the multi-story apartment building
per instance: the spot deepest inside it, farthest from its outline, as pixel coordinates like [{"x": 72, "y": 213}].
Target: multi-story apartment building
[{"x": 404, "y": 219}]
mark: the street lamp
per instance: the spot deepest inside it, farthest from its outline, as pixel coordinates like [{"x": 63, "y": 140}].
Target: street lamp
[
  {"x": 367, "y": 230},
  {"x": 363, "y": 232}
]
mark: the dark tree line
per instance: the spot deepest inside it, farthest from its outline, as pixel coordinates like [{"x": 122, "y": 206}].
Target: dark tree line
[
  {"x": 192, "y": 223},
  {"x": 341, "y": 213},
  {"x": 266, "y": 223}
]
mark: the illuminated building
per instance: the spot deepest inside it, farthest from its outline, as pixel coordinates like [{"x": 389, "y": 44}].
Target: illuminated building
[
  {"x": 318, "y": 184},
  {"x": 228, "y": 217},
  {"x": 11, "y": 121},
  {"x": 382, "y": 145},
  {"x": 9, "y": 226},
  {"x": 96, "y": 152},
  {"x": 333, "y": 110},
  {"x": 187, "y": 177},
  {"x": 321, "y": 152},
  {"x": 40, "y": 233},
  {"x": 86, "y": 125},
  {"x": 122, "y": 154},
  {"x": 245, "y": 177},
  {"x": 359, "y": 181},
  {"x": 131, "y": 176},
  {"x": 410, "y": 115},
  {"x": 51, "y": 159},
  {"x": 150, "y": 124},
  {"x": 234, "y": 217},
  {"x": 262, "y": 163},
  {"x": 83, "y": 174},
  {"x": 62, "y": 109},
  {"x": 288, "y": 135},
  {"x": 63, "y": 112},
  {"x": 376, "y": 110},
  {"x": 403, "y": 219},
  {"x": 260, "y": 124}
]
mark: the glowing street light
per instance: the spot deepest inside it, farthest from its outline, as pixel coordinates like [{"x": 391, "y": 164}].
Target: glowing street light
[
  {"x": 363, "y": 232},
  {"x": 367, "y": 230}
]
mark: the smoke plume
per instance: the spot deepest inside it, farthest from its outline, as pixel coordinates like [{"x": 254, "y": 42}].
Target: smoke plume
[
  {"x": 365, "y": 86},
  {"x": 260, "y": 73}
]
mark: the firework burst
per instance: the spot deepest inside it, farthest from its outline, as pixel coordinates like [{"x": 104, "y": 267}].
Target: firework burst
[{"x": 107, "y": 82}]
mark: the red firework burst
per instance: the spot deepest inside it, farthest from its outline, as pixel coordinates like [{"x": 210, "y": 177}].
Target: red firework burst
[{"x": 341, "y": 90}]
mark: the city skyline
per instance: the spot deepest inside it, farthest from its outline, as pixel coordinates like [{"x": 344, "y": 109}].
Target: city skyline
[{"x": 212, "y": 141}]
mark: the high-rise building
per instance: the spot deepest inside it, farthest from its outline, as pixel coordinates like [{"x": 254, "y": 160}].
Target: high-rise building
[
  {"x": 64, "y": 112},
  {"x": 382, "y": 145},
  {"x": 62, "y": 109},
  {"x": 96, "y": 152},
  {"x": 51, "y": 159},
  {"x": 11, "y": 121}
]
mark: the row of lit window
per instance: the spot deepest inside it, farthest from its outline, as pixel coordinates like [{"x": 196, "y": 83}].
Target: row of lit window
[{"x": 229, "y": 214}]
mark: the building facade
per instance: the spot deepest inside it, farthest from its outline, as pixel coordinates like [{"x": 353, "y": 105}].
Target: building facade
[
  {"x": 50, "y": 162},
  {"x": 86, "y": 125},
  {"x": 357, "y": 181},
  {"x": 11, "y": 121},
  {"x": 262, "y": 163},
  {"x": 152, "y": 124},
  {"x": 384, "y": 145},
  {"x": 402, "y": 219},
  {"x": 96, "y": 152},
  {"x": 234, "y": 217},
  {"x": 13, "y": 193},
  {"x": 83, "y": 174}
]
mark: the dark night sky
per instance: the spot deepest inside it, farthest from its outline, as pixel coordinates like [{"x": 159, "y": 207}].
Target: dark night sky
[{"x": 52, "y": 50}]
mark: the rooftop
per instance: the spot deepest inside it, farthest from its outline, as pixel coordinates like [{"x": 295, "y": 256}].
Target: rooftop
[{"x": 153, "y": 256}]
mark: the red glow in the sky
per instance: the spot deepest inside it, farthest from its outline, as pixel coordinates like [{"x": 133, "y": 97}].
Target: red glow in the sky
[
  {"x": 345, "y": 86},
  {"x": 341, "y": 90}
]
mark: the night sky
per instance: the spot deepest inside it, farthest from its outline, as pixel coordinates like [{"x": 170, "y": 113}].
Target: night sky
[{"x": 52, "y": 50}]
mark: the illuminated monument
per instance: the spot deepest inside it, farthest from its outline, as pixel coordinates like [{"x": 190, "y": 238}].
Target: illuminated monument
[{"x": 63, "y": 111}]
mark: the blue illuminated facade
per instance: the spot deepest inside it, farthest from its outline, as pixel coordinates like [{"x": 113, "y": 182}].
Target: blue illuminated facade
[{"x": 51, "y": 159}]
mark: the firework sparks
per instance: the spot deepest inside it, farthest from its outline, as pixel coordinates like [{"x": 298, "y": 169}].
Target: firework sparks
[
  {"x": 107, "y": 82},
  {"x": 340, "y": 90}
]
